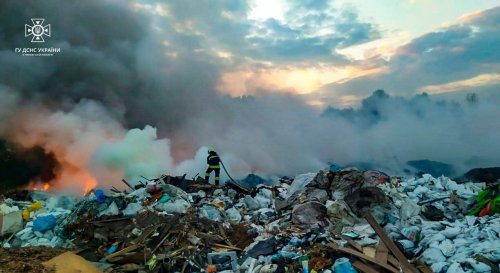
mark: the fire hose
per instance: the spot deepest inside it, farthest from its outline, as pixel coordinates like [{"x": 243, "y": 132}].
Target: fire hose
[
  {"x": 235, "y": 185},
  {"x": 225, "y": 170}
]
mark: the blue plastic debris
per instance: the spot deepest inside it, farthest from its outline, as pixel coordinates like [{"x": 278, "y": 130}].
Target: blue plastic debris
[
  {"x": 99, "y": 194},
  {"x": 44, "y": 223},
  {"x": 343, "y": 265},
  {"x": 112, "y": 249}
]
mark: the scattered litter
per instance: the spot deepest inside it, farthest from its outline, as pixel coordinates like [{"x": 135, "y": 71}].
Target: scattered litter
[{"x": 336, "y": 220}]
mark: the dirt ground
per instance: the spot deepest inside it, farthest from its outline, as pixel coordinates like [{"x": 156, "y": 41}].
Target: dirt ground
[{"x": 28, "y": 259}]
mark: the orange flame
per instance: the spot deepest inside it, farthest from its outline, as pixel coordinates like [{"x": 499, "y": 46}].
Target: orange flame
[
  {"x": 89, "y": 185},
  {"x": 38, "y": 186},
  {"x": 80, "y": 180}
]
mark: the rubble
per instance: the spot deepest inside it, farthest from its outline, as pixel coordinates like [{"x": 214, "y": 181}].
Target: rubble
[{"x": 336, "y": 220}]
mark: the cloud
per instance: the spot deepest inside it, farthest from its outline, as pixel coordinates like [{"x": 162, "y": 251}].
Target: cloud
[
  {"x": 309, "y": 32},
  {"x": 474, "y": 82},
  {"x": 456, "y": 53}
]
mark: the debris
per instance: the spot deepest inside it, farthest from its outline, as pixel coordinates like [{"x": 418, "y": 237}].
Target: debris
[
  {"x": 33, "y": 207},
  {"x": 264, "y": 247},
  {"x": 309, "y": 223},
  {"x": 365, "y": 258},
  {"x": 232, "y": 256},
  {"x": 44, "y": 223},
  {"x": 407, "y": 267},
  {"x": 111, "y": 210},
  {"x": 310, "y": 214},
  {"x": 233, "y": 215},
  {"x": 10, "y": 222},
  {"x": 342, "y": 265}
]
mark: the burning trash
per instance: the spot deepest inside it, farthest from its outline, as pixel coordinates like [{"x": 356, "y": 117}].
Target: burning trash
[{"x": 343, "y": 220}]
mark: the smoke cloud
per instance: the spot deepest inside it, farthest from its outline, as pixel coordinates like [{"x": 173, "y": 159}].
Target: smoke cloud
[
  {"x": 129, "y": 96},
  {"x": 138, "y": 154}
]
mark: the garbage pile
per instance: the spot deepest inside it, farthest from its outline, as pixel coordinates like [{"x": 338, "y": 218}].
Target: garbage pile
[{"x": 342, "y": 220}]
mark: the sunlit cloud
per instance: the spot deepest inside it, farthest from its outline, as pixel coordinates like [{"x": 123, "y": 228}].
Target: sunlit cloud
[
  {"x": 156, "y": 9},
  {"x": 383, "y": 48},
  {"x": 288, "y": 79},
  {"x": 470, "y": 16},
  {"x": 317, "y": 103},
  {"x": 477, "y": 81},
  {"x": 349, "y": 100}
]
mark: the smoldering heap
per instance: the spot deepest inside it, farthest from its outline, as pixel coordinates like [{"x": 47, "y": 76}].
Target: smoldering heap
[{"x": 321, "y": 222}]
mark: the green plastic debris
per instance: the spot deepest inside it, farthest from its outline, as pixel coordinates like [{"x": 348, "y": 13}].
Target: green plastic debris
[
  {"x": 483, "y": 198},
  {"x": 164, "y": 198},
  {"x": 151, "y": 264}
]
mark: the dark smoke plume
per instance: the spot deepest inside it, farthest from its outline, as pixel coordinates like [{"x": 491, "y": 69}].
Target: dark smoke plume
[
  {"x": 121, "y": 68},
  {"x": 21, "y": 166}
]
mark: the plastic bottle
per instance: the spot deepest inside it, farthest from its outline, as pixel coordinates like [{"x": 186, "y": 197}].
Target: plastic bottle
[{"x": 304, "y": 261}]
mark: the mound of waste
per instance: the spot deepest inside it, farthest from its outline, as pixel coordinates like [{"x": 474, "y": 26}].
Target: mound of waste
[{"x": 342, "y": 220}]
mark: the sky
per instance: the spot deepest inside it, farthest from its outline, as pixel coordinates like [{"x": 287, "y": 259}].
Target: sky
[
  {"x": 315, "y": 48},
  {"x": 416, "y": 16},
  {"x": 392, "y": 24},
  {"x": 144, "y": 87},
  {"x": 395, "y": 23}
]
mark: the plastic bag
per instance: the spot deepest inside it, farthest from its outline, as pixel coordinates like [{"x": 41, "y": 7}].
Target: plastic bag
[
  {"x": 409, "y": 209},
  {"x": 100, "y": 197},
  {"x": 180, "y": 206},
  {"x": 300, "y": 182},
  {"x": 45, "y": 223},
  {"x": 233, "y": 215},
  {"x": 132, "y": 209},
  {"x": 210, "y": 212},
  {"x": 111, "y": 210},
  {"x": 343, "y": 265}
]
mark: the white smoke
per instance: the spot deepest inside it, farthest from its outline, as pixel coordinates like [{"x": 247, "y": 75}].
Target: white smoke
[{"x": 138, "y": 153}]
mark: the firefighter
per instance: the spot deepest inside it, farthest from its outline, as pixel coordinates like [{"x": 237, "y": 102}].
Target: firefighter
[{"x": 213, "y": 162}]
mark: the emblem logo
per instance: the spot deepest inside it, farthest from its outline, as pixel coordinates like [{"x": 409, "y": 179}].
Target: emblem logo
[{"x": 38, "y": 30}]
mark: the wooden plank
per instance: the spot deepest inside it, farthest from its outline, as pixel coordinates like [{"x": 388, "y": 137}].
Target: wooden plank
[
  {"x": 407, "y": 267},
  {"x": 227, "y": 247},
  {"x": 123, "y": 251},
  {"x": 355, "y": 245},
  {"x": 423, "y": 267},
  {"x": 393, "y": 261},
  {"x": 432, "y": 200},
  {"x": 112, "y": 220},
  {"x": 363, "y": 267},
  {"x": 364, "y": 257},
  {"x": 164, "y": 234},
  {"x": 161, "y": 242},
  {"x": 145, "y": 234},
  {"x": 382, "y": 252},
  {"x": 126, "y": 183}
]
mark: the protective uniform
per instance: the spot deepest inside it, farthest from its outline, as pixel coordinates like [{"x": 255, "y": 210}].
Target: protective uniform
[{"x": 213, "y": 162}]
